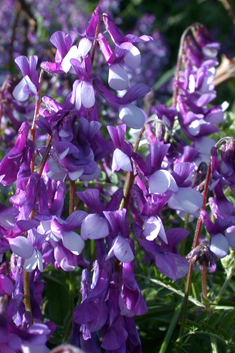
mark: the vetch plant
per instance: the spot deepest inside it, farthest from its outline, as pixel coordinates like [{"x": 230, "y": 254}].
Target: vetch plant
[{"x": 66, "y": 214}]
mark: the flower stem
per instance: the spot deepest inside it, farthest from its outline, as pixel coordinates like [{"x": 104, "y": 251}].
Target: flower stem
[
  {"x": 35, "y": 118},
  {"x": 130, "y": 178},
  {"x": 179, "y": 62},
  {"x": 27, "y": 300},
  {"x": 190, "y": 271}
]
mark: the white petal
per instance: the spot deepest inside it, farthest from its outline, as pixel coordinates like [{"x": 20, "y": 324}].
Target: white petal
[
  {"x": 73, "y": 242},
  {"x": 121, "y": 249},
  {"x": 94, "y": 226},
  {"x": 194, "y": 127},
  {"x": 76, "y": 174},
  {"x": 132, "y": 116},
  {"x": 118, "y": 78},
  {"x": 21, "y": 246},
  {"x": 151, "y": 228},
  {"x": 72, "y": 54},
  {"x": 78, "y": 96},
  {"x": 33, "y": 262},
  {"x": 87, "y": 95},
  {"x": 121, "y": 160},
  {"x": 161, "y": 181},
  {"x": 30, "y": 85},
  {"x": 230, "y": 236},
  {"x": 64, "y": 154},
  {"x": 19, "y": 91},
  {"x": 186, "y": 199},
  {"x": 84, "y": 46},
  {"x": 133, "y": 58},
  {"x": 219, "y": 245},
  {"x": 191, "y": 84}
]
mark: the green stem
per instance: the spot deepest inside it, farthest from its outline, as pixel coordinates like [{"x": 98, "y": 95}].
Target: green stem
[
  {"x": 27, "y": 301},
  {"x": 179, "y": 62},
  {"x": 190, "y": 271},
  {"x": 171, "y": 328},
  {"x": 223, "y": 288}
]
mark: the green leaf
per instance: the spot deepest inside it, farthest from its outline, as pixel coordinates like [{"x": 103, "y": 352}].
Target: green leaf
[
  {"x": 224, "y": 333},
  {"x": 201, "y": 317},
  {"x": 57, "y": 302},
  {"x": 209, "y": 327},
  {"x": 164, "y": 78},
  {"x": 196, "y": 292},
  {"x": 215, "y": 317},
  {"x": 227, "y": 321}
]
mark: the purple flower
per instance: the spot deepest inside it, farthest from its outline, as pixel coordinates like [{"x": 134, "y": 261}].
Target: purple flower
[
  {"x": 123, "y": 150},
  {"x": 65, "y": 51},
  {"x": 10, "y": 164},
  {"x": 131, "y": 115},
  {"x": 166, "y": 258},
  {"x": 29, "y": 84},
  {"x": 93, "y": 311},
  {"x": 131, "y": 301}
]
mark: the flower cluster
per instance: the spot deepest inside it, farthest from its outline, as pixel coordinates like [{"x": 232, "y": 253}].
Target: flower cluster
[{"x": 70, "y": 144}]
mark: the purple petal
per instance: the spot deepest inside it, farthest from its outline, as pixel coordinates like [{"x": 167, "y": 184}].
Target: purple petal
[
  {"x": 230, "y": 236},
  {"x": 94, "y": 227},
  {"x": 6, "y": 285},
  {"x": 219, "y": 245},
  {"x": 132, "y": 116},
  {"x": 73, "y": 242},
  {"x": 118, "y": 78},
  {"x": 21, "y": 246},
  {"x": 121, "y": 249},
  {"x": 161, "y": 181},
  {"x": 172, "y": 265},
  {"x": 186, "y": 199}
]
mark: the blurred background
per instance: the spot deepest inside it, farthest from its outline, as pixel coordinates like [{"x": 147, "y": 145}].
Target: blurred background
[{"x": 26, "y": 27}]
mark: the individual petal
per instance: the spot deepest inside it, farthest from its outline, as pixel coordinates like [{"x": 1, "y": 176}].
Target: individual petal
[
  {"x": 31, "y": 85},
  {"x": 121, "y": 249},
  {"x": 94, "y": 226},
  {"x": 118, "y": 78},
  {"x": 87, "y": 94},
  {"x": 133, "y": 58},
  {"x": 132, "y": 116},
  {"x": 84, "y": 46},
  {"x": 73, "y": 53},
  {"x": 219, "y": 245},
  {"x": 172, "y": 265},
  {"x": 21, "y": 92},
  {"x": 21, "y": 246},
  {"x": 76, "y": 95},
  {"x": 121, "y": 160},
  {"x": 33, "y": 262},
  {"x": 6, "y": 285},
  {"x": 161, "y": 181},
  {"x": 186, "y": 199},
  {"x": 153, "y": 228},
  {"x": 75, "y": 174},
  {"x": 230, "y": 236},
  {"x": 55, "y": 172},
  {"x": 73, "y": 242}
]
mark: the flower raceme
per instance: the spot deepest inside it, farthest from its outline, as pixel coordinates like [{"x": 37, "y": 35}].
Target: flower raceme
[{"x": 76, "y": 150}]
